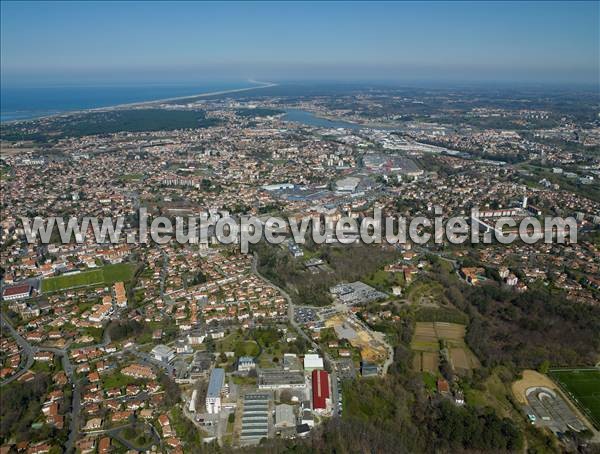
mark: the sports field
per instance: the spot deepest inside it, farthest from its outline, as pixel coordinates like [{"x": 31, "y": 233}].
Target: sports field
[
  {"x": 106, "y": 275},
  {"x": 583, "y": 386}
]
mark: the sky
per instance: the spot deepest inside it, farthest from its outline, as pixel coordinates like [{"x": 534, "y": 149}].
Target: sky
[{"x": 178, "y": 42}]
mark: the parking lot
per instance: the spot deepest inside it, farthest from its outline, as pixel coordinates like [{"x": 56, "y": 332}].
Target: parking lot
[
  {"x": 305, "y": 314},
  {"x": 345, "y": 369},
  {"x": 547, "y": 408}
]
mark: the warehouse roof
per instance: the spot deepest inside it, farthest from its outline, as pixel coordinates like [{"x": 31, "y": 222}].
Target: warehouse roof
[
  {"x": 215, "y": 384},
  {"x": 313, "y": 361}
]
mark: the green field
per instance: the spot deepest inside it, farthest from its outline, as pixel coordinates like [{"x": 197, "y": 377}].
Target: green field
[
  {"x": 106, "y": 275},
  {"x": 583, "y": 386},
  {"x": 246, "y": 348},
  {"x": 118, "y": 380}
]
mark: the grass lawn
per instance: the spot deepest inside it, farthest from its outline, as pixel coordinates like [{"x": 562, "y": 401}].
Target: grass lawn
[
  {"x": 118, "y": 380},
  {"x": 421, "y": 292},
  {"x": 86, "y": 305},
  {"x": 85, "y": 278},
  {"x": 242, "y": 380},
  {"x": 441, "y": 314},
  {"x": 382, "y": 280},
  {"x": 96, "y": 333},
  {"x": 583, "y": 386},
  {"x": 265, "y": 361},
  {"x": 228, "y": 439},
  {"x": 495, "y": 393},
  {"x": 42, "y": 367},
  {"x": 228, "y": 343},
  {"x": 425, "y": 346},
  {"x": 430, "y": 381},
  {"x": 246, "y": 348},
  {"x": 309, "y": 254},
  {"x": 106, "y": 275},
  {"x": 118, "y": 272}
]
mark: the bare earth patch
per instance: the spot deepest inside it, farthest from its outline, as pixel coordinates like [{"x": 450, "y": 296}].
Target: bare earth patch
[{"x": 530, "y": 379}]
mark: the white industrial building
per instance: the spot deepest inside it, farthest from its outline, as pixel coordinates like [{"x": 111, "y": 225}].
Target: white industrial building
[
  {"x": 278, "y": 187},
  {"x": 213, "y": 394},
  {"x": 348, "y": 184},
  {"x": 163, "y": 353},
  {"x": 193, "y": 400},
  {"x": 312, "y": 361}
]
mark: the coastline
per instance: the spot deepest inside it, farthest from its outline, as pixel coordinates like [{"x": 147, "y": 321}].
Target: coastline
[
  {"x": 177, "y": 98},
  {"x": 142, "y": 103}
]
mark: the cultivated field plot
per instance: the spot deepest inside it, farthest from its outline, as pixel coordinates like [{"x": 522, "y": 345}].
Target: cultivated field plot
[
  {"x": 463, "y": 358},
  {"x": 583, "y": 387},
  {"x": 426, "y": 362},
  {"x": 450, "y": 331},
  {"x": 106, "y": 275},
  {"x": 426, "y": 345}
]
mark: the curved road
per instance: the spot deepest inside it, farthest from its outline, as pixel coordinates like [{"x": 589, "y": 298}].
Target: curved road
[
  {"x": 328, "y": 360},
  {"x": 29, "y": 351}
]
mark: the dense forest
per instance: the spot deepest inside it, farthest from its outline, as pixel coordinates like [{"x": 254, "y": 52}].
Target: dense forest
[
  {"x": 107, "y": 122},
  {"x": 522, "y": 330},
  {"x": 20, "y": 406},
  {"x": 119, "y": 330},
  {"x": 348, "y": 263}
]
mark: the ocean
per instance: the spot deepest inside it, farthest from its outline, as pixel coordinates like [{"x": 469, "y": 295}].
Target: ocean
[{"x": 19, "y": 103}]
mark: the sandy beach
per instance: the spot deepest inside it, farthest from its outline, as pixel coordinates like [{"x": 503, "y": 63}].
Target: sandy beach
[
  {"x": 201, "y": 95},
  {"x": 146, "y": 103}
]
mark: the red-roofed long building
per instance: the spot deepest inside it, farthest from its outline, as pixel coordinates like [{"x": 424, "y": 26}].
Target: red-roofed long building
[
  {"x": 320, "y": 389},
  {"x": 17, "y": 292}
]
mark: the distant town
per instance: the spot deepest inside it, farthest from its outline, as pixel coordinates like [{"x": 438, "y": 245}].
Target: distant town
[{"x": 201, "y": 348}]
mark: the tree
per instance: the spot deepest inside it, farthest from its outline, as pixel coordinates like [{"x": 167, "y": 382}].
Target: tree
[
  {"x": 172, "y": 393},
  {"x": 285, "y": 396},
  {"x": 210, "y": 345}
]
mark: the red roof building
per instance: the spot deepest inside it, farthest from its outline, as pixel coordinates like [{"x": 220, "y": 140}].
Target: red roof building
[
  {"x": 320, "y": 389},
  {"x": 17, "y": 292},
  {"x": 442, "y": 386}
]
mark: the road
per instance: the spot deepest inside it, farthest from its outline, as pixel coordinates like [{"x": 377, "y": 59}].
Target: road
[
  {"x": 289, "y": 301},
  {"x": 76, "y": 396},
  {"x": 29, "y": 351},
  {"x": 163, "y": 274},
  {"x": 389, "y": 360},
  {"x": 327, "y": 359},
  {"x": 26, "y": 348},
  {"x": 75, "y": 417},
  {"x": 116, "y": 434},
  {"x": 149, "y": 359}
]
